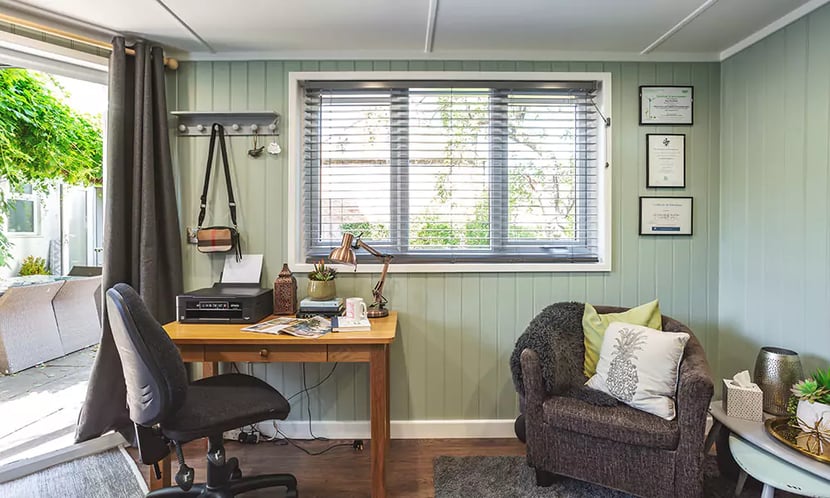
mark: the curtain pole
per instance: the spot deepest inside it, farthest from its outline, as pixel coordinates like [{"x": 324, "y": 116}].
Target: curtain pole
[{"x": 169, "y": 62}]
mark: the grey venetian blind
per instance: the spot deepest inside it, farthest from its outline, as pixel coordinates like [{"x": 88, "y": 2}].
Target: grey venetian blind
[{"x": 453, "y": 171}]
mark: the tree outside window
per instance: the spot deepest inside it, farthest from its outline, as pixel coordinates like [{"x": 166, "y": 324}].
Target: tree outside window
[{"x": 42, "y": 142}]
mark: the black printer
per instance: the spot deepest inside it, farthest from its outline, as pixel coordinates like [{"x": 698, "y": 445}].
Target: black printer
[{"x": 225, "y": 303}]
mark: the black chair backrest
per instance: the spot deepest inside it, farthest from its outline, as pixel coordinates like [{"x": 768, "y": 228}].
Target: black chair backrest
[{"x": 153, "y": 368}]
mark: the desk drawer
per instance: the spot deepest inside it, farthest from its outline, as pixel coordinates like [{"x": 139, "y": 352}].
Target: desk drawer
[{"x": 267, "y": 353}]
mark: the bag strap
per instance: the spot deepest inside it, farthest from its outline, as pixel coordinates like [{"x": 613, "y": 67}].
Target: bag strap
[{"x": 217, "y": 130}]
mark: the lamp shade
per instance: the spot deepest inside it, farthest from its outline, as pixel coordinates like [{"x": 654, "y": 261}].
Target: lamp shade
[{"x": 344, "y": 254}]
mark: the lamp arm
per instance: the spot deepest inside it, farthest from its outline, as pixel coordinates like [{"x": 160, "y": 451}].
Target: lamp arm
[
  {"x": 377, "y": 292},
  {"x": 359, "y": 244}
]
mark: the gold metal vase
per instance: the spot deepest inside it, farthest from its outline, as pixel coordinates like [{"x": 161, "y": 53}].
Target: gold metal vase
[{"x": 776, "y": 370}]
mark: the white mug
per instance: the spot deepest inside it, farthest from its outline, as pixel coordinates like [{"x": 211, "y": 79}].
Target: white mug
[{"x": 355, "y": 308}]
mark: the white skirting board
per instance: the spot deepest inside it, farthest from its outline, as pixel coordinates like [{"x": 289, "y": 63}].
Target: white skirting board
[{"x": 401, "y": 429}]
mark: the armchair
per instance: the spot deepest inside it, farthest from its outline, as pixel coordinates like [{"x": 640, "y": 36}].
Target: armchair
[{"x": 615, "y": 446}]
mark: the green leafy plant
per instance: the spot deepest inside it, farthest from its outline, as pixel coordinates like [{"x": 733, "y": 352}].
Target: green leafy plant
[
  {"x": 33, "y": 266},
  {"x": 815, "y": 389},
  {"x": 42, "y": 141},
  {"x": 322, "y": 273}
]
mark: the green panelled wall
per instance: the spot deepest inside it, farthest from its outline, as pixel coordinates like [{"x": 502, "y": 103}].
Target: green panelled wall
[
  {"x": 775, "y": 184},
  {"x": 457, "y": 330}
]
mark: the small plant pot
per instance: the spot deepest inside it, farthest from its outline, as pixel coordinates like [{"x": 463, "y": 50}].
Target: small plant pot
[{"x": 321, "y": 290}]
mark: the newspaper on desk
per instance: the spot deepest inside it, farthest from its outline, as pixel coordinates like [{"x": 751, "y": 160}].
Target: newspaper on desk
[{"x": 312, "y": 327}]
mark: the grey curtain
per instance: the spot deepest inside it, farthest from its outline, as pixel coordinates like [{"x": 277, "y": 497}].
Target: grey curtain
[{"x": 142, "y": 241}]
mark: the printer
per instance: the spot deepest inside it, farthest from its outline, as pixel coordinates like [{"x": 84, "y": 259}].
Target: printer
[{"x": 225, "y": 303}]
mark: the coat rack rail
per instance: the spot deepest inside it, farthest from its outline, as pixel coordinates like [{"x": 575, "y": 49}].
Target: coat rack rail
[{"x": 236, "y": 123}]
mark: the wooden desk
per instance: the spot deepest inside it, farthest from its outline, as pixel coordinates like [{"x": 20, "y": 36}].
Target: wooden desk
[{"x": 211, "y": 343}]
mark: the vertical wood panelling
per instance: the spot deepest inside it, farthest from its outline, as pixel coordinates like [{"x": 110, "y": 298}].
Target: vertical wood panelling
[
  {"x": 457, "y": 330},
  {"x": 775, "y": 167}
]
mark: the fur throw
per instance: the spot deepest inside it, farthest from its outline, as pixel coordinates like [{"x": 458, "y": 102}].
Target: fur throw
[{"x": 556, "y": 336}]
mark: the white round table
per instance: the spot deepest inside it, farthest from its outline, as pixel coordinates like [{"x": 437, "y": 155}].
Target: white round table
[{"x": 773, "y": 472}]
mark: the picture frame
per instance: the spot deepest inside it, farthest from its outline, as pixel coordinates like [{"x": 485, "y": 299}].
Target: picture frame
[
  {"x": 663, "y": 216},
  {"x": 666, "y": 105},
  {"x": 666, "y": 160}
]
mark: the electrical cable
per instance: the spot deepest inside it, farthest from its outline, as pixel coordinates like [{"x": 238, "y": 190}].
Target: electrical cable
[
  {"x": 308, "y": 409},
  {"x": 315, "y": 386},
  {"x": 309, "y": 452},
  {"x": 305, "y": 390}
]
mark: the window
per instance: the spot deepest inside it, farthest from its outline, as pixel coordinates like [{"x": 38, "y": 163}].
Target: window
[
  {"x": 24, "y": 214},
  {"x": 455, "y": 172}
]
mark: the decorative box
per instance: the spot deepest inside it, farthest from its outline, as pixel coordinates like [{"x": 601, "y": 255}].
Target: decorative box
[{"x": 743, "y": 402}]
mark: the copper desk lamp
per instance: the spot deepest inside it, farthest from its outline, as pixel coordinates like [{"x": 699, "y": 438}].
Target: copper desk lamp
[{"x": 345, "y": 255}]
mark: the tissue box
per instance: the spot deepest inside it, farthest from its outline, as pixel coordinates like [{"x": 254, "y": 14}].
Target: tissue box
[{"x": 743, "y": 402}]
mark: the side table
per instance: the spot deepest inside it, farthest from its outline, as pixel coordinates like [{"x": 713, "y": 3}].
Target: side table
[
  {"x": 773, "y": 472},
  {"x": 755, "y": 434}
]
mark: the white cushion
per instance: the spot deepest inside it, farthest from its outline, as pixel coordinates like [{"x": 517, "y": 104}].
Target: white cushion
[{"x": 639, "y": 366}]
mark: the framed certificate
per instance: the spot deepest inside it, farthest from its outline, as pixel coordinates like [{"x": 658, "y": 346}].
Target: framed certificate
[
  {"x": 666, "y": 215},
  {"x": 671, "y": 105},
  {"x": 665, "y": 160}
]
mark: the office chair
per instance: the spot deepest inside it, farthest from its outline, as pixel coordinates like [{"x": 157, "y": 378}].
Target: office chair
[{"x": 168, "y": 412}]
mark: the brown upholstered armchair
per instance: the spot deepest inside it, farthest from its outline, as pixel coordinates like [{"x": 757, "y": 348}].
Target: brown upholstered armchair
[{"x": 614, "y": 446}]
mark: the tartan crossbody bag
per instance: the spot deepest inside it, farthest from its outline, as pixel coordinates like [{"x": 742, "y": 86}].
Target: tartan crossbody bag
[{"x": 218, "y": 239}]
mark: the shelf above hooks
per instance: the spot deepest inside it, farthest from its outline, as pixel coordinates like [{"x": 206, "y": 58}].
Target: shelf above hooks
[{"x": 236, "y": 123}]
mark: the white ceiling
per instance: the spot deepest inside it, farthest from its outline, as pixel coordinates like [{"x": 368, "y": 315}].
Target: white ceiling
[{"x": 515, "y": 29}]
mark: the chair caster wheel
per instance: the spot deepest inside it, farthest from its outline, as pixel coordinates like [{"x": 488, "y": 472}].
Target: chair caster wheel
[
  {"x": 236, "y": 475},
  {"x": 292, "y": 494}
]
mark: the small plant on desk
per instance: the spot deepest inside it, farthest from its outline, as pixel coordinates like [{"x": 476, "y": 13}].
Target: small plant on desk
[
  {"x": 322, "y": 273},
  {"x": 321, "y": 282}
]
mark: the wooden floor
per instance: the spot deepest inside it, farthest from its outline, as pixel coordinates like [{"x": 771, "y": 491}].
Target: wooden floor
[{"x": 344, "y": 472}]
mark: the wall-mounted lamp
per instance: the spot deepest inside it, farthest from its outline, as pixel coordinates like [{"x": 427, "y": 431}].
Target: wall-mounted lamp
[{"x": 345, "y": 255}]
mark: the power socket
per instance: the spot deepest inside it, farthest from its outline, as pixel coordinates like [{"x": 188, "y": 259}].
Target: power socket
[
  {"x": 232, "y": 435},
  {"x": 249, "y": 437}
]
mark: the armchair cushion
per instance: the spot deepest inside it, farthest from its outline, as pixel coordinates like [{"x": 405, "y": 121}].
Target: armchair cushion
[
  {"x": 639, "y": 366},
  {"x": 594, "y": 325},
  {"x": 620, "y": 423}
]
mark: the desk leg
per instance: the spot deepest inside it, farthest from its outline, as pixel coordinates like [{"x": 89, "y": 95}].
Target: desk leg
[
  {"x": 388, "y": 400},
  {"x": 379, "y": 386},
  {"x": 210, "y": 368},
  {"x": 165, "y": 475}
]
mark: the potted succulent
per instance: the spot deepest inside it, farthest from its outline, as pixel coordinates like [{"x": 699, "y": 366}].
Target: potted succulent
[
  {"x": 813, "y": 409},
  {"x": 321, "y": 282}
]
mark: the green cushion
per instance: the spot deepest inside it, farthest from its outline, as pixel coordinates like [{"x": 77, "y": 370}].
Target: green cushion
[{"x": 594, "y": 325}]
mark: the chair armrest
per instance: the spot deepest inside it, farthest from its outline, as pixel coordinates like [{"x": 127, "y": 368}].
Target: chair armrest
[
  {"x": 534, "y": 384},
  {"x": 694, "y": 393}
]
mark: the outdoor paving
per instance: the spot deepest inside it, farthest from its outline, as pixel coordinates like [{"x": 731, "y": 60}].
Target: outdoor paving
[{"x": 39, "y": 406}]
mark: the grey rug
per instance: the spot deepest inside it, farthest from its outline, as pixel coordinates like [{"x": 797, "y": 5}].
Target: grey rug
[
  {"x": 104, "y": 475},
  {"x": 510, "y": 476}
]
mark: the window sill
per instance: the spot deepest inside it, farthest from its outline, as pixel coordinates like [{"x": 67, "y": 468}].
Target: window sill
[
  {"x": 466, "y": 268},
  {"x": 23, "y": 235}
]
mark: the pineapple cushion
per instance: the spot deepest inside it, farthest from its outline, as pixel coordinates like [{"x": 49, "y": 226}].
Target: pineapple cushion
[
  {"x": 639, "y": 366},
  {"x": 594, "y": 325}
]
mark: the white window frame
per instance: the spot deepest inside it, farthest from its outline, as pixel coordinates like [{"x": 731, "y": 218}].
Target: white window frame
[
  {"x": 295, "y": 169},
  {"x": 35, "y": 199}
]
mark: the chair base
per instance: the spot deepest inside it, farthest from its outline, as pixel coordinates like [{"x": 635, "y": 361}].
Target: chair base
[{"x": 233, "y": 488}]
